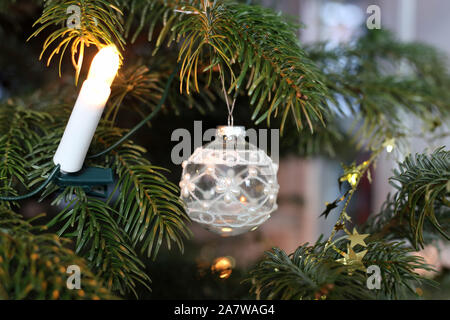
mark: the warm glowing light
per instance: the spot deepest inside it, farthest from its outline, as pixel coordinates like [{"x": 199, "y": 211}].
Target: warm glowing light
[
  {"x": 210, "y": 170},
  {"x": 222, "y": 263},
  {"x": 104, "y": 66},
  {"x": 226, "y": 229},
  {"x": 87, "y": 111},
  {"x": 243, "y": 199},
  {"x": 223, "y": 266},
  {"x": 389, "y": 148},
  {"x": 389, "y": 144},
  {"x": 352, "y": 179}
]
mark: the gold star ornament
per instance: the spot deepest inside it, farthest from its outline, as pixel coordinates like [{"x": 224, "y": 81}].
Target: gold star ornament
[
  {"x": 357, "y": 238},
  {"x": 353, "y": 259}
]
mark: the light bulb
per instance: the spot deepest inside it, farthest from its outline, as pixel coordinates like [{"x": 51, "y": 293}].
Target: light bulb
[
  {"x": 223, "y": 266},
  {"x": 87, "y": 111},
  {"x": 352, "y": 179},
  {"x": 104, "y": 66},
  {"x": 210, "y": 170},
  {"x": 389, "y": 148}
]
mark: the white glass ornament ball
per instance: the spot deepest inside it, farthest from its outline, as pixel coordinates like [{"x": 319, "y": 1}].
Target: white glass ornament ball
[{"x": 229, "y": 185}]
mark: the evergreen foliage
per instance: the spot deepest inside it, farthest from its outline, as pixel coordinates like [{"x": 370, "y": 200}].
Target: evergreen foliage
[
  {"x": 287, "y": 85},
  {"x": 419, "y": 210},
  {"x": 380, "y": 81},
  {"x": 312, "y": 272},
  {"x": 34, "y": 266},
  {"x": 420, "y": 203}
]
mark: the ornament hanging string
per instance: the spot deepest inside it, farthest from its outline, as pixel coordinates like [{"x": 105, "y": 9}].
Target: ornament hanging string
[{"x": 227, "y": 100}]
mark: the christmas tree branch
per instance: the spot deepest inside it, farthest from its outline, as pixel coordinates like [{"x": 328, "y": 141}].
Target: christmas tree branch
[
  {"x": 225, "y": 33},
  {"x": 19, "y": 131},
  {"x": 380, "y": 81},
  {"x": 148, "y": 207},
  {"x": 33, "y": 266},
  {"x": 100, "y": 239},
  {"x": 312, "y": 272},
  {"x": 152, "y": 210},
  {"x": 80, "y": 24},
  {"x": 420, "y": 204}
]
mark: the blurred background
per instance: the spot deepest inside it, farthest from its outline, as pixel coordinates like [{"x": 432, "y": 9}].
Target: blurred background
[{"x": 213, "y": 267}]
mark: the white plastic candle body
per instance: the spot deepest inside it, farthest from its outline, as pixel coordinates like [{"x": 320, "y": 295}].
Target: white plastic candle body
[
  {"x": 87, "y": 111},
  {"x": 81, "y": 127}
]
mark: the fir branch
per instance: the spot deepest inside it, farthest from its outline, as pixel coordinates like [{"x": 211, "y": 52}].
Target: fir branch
[
  {"x": 151, "y": 211},
  {"x": 421, "y": 202},
  {"x": 98, "y": 24},
  {"x": 305, "y": 276},
  {"x": 268, "y": 49},
  {"x": 100, "y": 239},
  {"x": 34, "y": 266},
  {"x": 398, "y": 265},
  {"x": 134, "y": 87},
  {"x": 148, "y": 207},
  {"x": 312, "y": 272},
  {"x": 19, "y": 130},
  {"x": 381, "y": 80},
  {"x": 260, "y": 43}
]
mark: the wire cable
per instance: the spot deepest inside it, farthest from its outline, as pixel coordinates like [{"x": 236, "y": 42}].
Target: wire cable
[
  {"x": 52, "y": 175},
  {"x": 142, "y": 123}
]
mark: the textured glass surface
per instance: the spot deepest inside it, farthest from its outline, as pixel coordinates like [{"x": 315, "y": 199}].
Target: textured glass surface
[{"x": 229, "y": 186}]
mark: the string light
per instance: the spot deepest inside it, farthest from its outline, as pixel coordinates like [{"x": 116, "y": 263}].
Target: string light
[
  {"x": 223, "y": 266},
  {"x": 352, "y": 179},
  {"x": 87, "y": 111},
  {"x": 389, "y": 145}
]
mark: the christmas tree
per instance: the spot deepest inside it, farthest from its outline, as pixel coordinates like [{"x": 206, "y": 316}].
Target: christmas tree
[{"x": 184, "y": 59}]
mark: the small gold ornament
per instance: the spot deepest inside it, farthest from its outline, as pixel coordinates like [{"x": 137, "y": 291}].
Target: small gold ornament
[
  {"x": 339, "y": 226},
  {"x": 353, "y": 259},
  {"x": 357, "y": 238}
]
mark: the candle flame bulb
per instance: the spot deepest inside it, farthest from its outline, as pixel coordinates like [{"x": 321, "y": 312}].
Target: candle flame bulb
[
  {"x": 87, "y": 111},
  {"x": 104, "y": 66}
]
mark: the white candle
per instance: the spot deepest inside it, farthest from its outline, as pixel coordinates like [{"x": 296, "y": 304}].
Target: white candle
[{"x": 87, "y": 111}]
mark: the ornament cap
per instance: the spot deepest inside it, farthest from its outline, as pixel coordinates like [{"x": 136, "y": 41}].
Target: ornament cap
[{"x": 236, "y": 131}]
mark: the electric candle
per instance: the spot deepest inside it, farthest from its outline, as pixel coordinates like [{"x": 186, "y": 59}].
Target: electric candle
[{"x": 87, "y": 111}]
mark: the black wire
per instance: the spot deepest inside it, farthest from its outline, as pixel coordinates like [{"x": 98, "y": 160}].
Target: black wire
[{"x": 52, "y": 175}]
